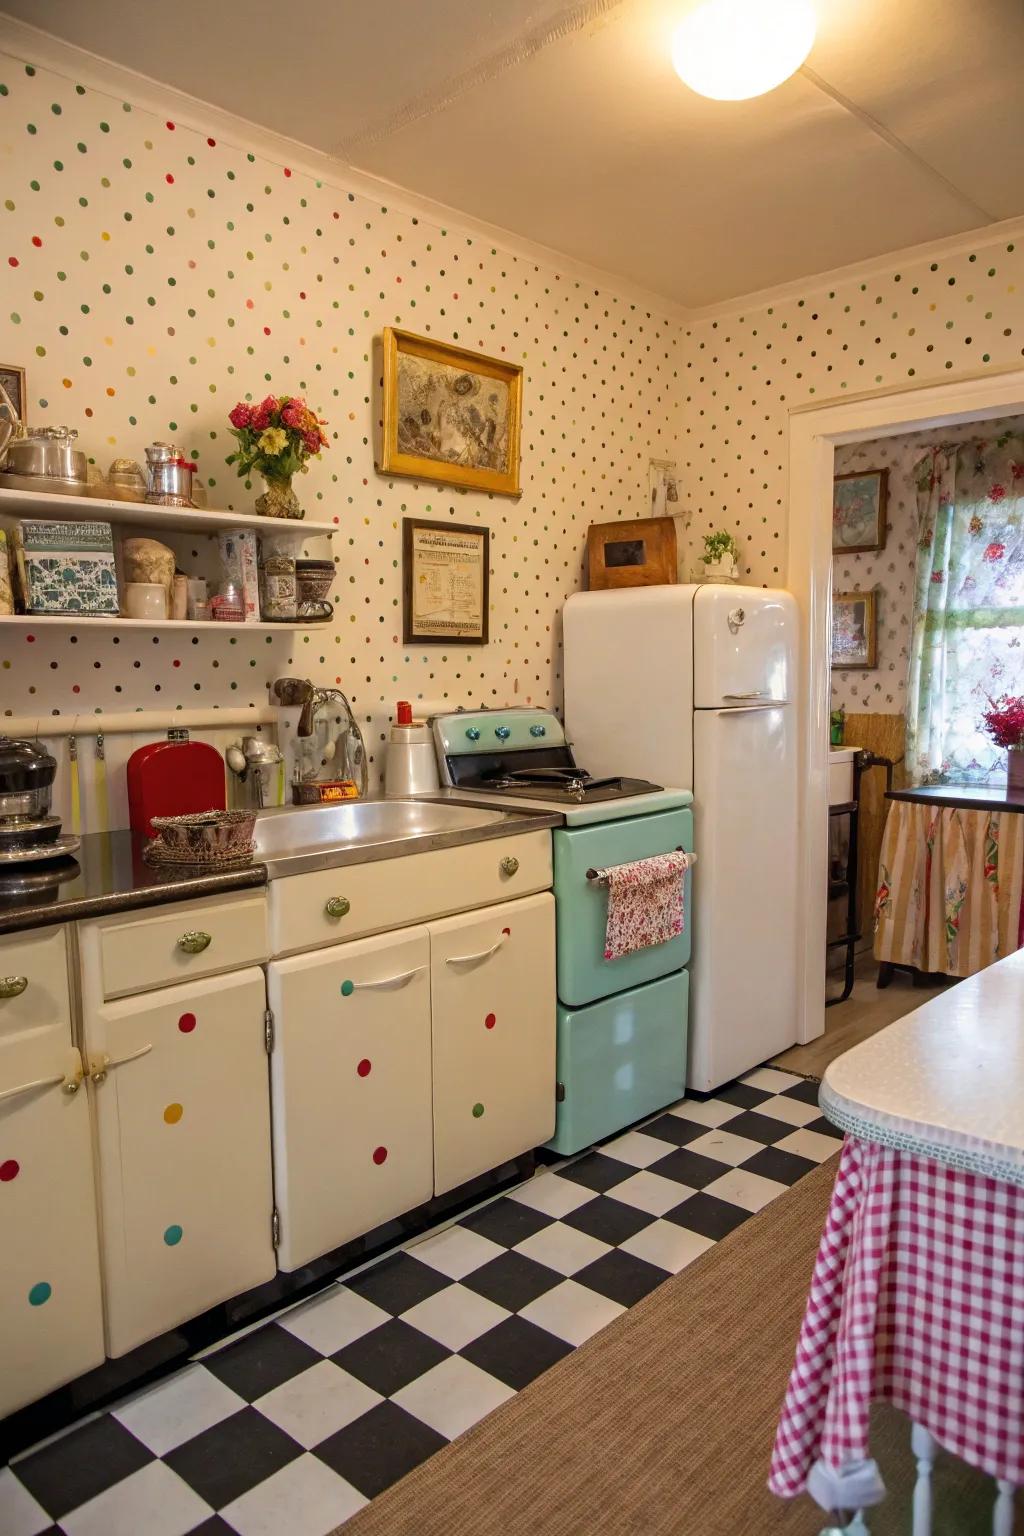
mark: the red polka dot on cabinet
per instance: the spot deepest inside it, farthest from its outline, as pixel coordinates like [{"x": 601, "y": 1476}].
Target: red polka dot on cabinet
[
  {"x": 9, "y": 1169},
  {"x": 380, "y": 1155},
  {"x": 187, "y": 1023},
  {"x": 490, "y": 1021},
  {"x": 365, "y": 1067}
]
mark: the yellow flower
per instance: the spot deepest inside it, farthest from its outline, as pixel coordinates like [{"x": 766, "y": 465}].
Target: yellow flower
[{"x": 272, "y": 440}]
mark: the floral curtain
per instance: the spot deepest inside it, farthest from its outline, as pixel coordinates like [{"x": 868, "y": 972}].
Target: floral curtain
[{"x": 968, "y": 633}]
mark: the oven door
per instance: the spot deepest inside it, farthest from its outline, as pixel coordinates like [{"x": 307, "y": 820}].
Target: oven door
[{"x": 582, "y": 905}]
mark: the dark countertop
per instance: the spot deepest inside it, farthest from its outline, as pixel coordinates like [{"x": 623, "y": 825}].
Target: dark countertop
[
  {"x": 967, "y": 797},
  {"x": 108, "y": 874}
]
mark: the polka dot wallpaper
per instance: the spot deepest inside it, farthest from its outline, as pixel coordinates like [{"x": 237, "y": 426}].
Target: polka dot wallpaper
[
  {"x": 153, "y": 276},
  {"x": 890, "y": 572},
  {"x": 743, "y": 371}
]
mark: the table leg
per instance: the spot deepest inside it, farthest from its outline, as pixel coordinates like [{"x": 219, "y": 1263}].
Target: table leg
[{"x": 922, "y": 1443}]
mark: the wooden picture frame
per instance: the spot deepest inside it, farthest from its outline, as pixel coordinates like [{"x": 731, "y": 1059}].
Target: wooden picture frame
[
  {"x": 12, "y": 377},
  {"x": 445, "y": 583},
  {"x": 637, "y": 552},
  {"x": 449, "y": 414},
  {"x": 854, "y": 631},
  {"x": 859, "y": 502}
]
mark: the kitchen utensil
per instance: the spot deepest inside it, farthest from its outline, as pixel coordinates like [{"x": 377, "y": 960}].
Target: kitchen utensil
[
  {"x": 206, "y": 834},
  {"x": 198, "y": 606},
  {"x": 169, "y": 476},
  {"x": 28, "y": 831},
  {"x": 158, "y": 853},
  {"x": 228, "y": 607},
  {"x": 42, "y": 852},
  {"x": 76, "y": 784},
  {"x": 172, "y": 778},
  {"x": 46, "y": 451},
  {"x": 145, "y": 600},
  {"x": 27, "y": 772},
  {"x": 314, "y": 579},
  {"x": 411, "y": 766}
]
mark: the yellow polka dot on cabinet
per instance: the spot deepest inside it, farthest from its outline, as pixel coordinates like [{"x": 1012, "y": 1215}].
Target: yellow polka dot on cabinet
[{"x": 173, "y": 1113}]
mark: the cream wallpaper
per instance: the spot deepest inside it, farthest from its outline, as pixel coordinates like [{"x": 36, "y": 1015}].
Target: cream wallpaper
[
  {"x": 890, "y": 572},
  {"x": 153, "y": 275}
]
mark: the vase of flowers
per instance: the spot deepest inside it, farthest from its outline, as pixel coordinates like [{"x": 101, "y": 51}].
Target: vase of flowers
[
  {"x": 721, "y": 552},
  {"x": 276, "y": 438},
  {"x": 1004, "y": 722}
]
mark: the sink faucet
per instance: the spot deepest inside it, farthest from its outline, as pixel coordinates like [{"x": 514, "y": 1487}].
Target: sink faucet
[{"x": 293, "y": 691}]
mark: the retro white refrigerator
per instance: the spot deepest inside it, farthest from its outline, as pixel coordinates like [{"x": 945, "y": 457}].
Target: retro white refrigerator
[{"x": 692, "y": 687}]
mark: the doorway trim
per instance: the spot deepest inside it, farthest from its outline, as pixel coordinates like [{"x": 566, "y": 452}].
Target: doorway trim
[{"x": 814, "y": 433}]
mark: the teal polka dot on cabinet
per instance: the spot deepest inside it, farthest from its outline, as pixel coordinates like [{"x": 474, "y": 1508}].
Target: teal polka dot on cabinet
[
  {"x": 40, "y": 1293},
  {"x": 173, "y": 1235}
]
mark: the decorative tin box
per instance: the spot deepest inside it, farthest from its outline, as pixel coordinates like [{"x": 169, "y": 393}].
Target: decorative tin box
[{"x": 69, "y": 567}]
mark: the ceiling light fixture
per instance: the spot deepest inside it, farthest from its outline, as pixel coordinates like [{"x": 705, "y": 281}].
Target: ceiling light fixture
[{"x": 731, "y": 50}]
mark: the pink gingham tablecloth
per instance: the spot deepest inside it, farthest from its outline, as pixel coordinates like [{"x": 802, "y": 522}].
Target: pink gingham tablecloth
[{"x": 917, "y": 1299}]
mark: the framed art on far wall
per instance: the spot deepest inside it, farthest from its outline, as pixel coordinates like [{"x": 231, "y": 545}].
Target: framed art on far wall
[
  {"x": 854, "y": 630},
  {"x": 450, "y": 414},
  {"x": 858, "y": 511},
  {"x": 12, "y": 377},
  {"x": 445, "y": 583}
]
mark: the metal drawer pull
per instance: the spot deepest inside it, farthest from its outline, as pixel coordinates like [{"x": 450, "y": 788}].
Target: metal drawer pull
[
  {"x": 509, "y": 864},
  {"x": 388, "y": 983},
  {"x": 337, "y": 906},
  {"x": 485, "y": 954},
  {"x": 195, "y": 941},
  {"x": 599, "y": 874},
  {"x": 100, "y": 1065},
  {"x": 12, "y": 986}
]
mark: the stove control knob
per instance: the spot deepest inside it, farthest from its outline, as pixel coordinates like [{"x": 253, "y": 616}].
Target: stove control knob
[
  {"x": 473, "y": 733},
  {"x": 538, "y": 730},
  {"x": 503, "y": 732}
]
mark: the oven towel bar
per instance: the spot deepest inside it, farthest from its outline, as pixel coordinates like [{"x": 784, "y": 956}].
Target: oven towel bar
[
  {"x": 602, "y": 874},
  {"x": 646, "y": 902}
]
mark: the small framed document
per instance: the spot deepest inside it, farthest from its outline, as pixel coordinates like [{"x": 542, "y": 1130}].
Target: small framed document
[{"x": 445, "y": 583}]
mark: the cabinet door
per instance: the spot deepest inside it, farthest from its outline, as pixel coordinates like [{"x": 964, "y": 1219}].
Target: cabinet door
[
  {"x": 51, "y": 1320},
  {"x": 350, "y": 1075},
  {"x": 492, "y": 985},
  {"x": 183, "y": 1138}
]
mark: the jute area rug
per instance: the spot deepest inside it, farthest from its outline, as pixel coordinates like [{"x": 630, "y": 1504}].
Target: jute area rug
[{"x": 662, "y": 1424}]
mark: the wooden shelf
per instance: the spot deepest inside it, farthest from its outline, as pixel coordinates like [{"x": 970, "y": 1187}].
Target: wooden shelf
[
  {"x": 91, "y": 621},
  {"x": 139, "y": 514}
]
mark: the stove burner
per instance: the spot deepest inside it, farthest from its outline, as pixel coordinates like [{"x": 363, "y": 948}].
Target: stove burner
[{"x": 572, "y": 781}]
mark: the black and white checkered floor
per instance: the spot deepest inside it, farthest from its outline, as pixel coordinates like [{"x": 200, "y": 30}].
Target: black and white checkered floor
[{"x": 297, "y": 1424}]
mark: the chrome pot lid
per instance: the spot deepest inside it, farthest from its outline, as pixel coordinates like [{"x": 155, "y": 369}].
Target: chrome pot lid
[{"x": 24, "y": 766}]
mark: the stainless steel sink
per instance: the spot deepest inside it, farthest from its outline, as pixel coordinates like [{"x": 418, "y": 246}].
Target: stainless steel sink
[{"x": 295, "y": 838}]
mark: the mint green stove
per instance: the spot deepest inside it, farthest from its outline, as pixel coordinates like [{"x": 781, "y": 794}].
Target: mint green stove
[{"x": 621, "y": 1024}]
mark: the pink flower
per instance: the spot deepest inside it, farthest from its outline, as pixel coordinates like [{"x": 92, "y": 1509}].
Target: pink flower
[
  {"x": 263, "y": 412},
  {"x": 292, "y": 414},
  {"x": 1017, "y": 470},
  {"x": 997, "y": 492},
  {"x": 312, "y": 441},
  {"x": 241, "y": 416},
  {"x": 994, "y": 552}
]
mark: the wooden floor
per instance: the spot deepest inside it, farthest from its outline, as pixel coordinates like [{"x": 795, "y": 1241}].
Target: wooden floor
[{"x": 865, "y": 1011}]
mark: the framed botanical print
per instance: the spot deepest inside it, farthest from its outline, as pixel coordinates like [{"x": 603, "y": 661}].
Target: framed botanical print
[
  {"x": 12, "y": 377},
  {"x": 445, "y": 583},
  {"x": 858, "y": 511},
  {"x": 450, "y": 414},
  {"x": 854, "y": 630}
]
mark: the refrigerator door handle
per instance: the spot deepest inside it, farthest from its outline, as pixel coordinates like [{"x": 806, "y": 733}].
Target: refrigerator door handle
[
  {"x": 757, "y": 693},
  {"x": 746, "y": 709}
]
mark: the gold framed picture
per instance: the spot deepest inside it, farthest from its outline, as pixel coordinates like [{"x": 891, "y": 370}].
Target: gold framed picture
[
  {"x": 450, "y": 414},
  {"x": 858, "y": 511},
  {"x": 445, "y": 583},
  {"x": 12, "y": 377},
  {"x": 854, "y": 630}
]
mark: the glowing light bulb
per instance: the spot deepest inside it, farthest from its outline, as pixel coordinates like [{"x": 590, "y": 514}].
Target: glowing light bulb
[{"x": 731, "y": 50}]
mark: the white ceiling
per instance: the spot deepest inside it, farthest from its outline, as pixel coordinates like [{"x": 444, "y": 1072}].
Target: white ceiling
[{"x": 566, "y": 124}]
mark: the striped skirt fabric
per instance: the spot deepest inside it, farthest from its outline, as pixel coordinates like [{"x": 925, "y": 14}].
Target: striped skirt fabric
[{"x": 950, "y": 887}]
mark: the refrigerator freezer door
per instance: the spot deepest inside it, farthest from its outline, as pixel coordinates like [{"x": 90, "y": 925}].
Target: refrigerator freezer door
[
  {"x": 629, "y": 682},
  {"x": 743, "y": 1005},
  {"x": 744, "y": 646}
]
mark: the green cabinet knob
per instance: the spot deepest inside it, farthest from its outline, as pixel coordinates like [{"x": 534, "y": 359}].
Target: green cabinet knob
[
  {"x": 195, "y": 941},
  {"x": 337, "y": 906},
  {"x": 509, "y": 865},
  {"x": 12, "y": 986}
]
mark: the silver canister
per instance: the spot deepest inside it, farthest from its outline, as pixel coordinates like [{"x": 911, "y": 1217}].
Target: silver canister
[
  {"x": 46, "y": 451},
  {"x": 168, "y": 476}
]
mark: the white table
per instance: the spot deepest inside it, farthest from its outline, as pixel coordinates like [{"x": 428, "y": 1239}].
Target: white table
[{"x": 946, "y": 1081}]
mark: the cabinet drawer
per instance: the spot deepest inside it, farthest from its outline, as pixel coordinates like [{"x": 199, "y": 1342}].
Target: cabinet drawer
[
  {"x": 393, "y": 893},
  {"x": 133, "y": 954},
  {"x": 35, "y": 1005}
]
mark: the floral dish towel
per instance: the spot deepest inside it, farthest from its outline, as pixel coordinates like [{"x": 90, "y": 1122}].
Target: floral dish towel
[{"x": 645, "y": 902}]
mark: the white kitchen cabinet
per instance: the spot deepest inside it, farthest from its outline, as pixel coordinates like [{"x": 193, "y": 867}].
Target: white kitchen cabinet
[
  {"x": 492, "y": 988},
  {"x": 350, "y": 1088},
  {"x": 51, "y": 1325},
  {"x": 183, "y": 1143}
]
